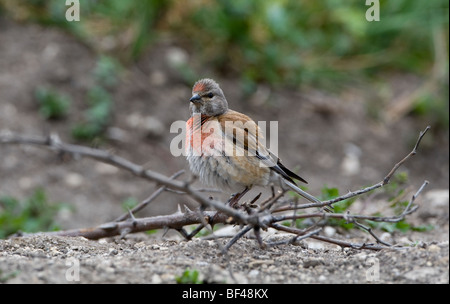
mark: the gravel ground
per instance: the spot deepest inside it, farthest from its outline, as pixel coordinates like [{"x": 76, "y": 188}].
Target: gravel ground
[{"x": 150, "y": 259}]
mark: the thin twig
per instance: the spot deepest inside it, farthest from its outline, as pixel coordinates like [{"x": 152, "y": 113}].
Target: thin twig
[
  {"x": 175, "y": 221},
  {"x": 369, "y": 230},
  {"x": 238, "y": 235},
  {"x": 254, "y": 219},
  {"x": 269, "y": 202},
  {"x": 382, "y": 183},
  {"x": 148, "y": 200},
  {"x": 53, "y": 142},
  {"x": 294, "y": 239},
  {"x": 412, "y": 153}
]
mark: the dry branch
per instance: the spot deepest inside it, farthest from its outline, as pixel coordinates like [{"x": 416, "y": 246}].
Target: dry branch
[
  {"x": 54, "y": 143},
  {"x": 175, "y": 221},
  {"x": 351, "y": 194},
  {"x": 250, "y": 216},
  {"x": 148, "y": 200}
]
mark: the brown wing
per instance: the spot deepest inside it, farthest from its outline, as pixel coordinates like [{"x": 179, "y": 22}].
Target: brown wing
[{"x": 246, "y": 135}]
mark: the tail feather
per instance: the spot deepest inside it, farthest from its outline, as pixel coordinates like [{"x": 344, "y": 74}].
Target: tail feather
[
  {"x": 290, "y": 173},
  {"x": 306, "y": 195}
]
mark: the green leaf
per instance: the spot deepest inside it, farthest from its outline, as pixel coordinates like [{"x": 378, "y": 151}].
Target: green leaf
[
  {"x": 52, "y": 105},
  {"x": 32, "y": 214},
  {"x": 188, "y": 277}
]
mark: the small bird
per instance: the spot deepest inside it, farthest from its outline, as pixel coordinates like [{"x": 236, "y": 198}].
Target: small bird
[{"x": 225, "y": 148}]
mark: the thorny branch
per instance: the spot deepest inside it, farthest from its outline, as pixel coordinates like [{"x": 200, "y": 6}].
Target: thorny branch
[
  {"x": 351, "y": 194},
  {"x": 251, "y": 217}
]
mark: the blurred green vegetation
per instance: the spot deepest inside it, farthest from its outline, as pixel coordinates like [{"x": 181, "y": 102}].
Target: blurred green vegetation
[
  {"x": 398, "y": 200},
  {"x": 278, "y": 42},
  {"x": 339, "y": 207},
  {"x": 52, "y": 104},
  {"x": 188, "y": 277},
  {"x": 32, "y": 214},
  {"x": 98, "y": 115}
]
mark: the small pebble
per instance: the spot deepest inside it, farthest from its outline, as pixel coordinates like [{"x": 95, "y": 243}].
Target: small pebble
[
  {"x": 74, "y": 180},
  {"x": 434, "y": 248}
]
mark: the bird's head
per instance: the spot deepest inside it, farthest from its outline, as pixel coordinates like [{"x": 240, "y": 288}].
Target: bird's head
[{"x": 208, "y": 98}]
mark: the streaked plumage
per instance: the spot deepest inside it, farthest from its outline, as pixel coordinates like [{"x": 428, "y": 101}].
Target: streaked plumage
[{"x": 225, "y": 148}]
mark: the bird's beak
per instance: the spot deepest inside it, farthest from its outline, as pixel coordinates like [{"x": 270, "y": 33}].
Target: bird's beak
[{"x": 195, "y": 98}]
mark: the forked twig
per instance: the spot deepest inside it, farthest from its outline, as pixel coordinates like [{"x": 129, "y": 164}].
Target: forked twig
[
  {"x": 54, "y": 143},
  {"x": 351, "y": 194},
  {"x": 255, "y": 218},
  {"x": 148, "y": 200}
]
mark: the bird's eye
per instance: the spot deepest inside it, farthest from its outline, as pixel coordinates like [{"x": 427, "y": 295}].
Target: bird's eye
[{"x": 210, "y": 95}]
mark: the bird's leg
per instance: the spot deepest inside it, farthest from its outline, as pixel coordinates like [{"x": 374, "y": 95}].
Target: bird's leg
[
  {"x": 257, "y": 232},
  {"x": 234, "y": 199}
]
